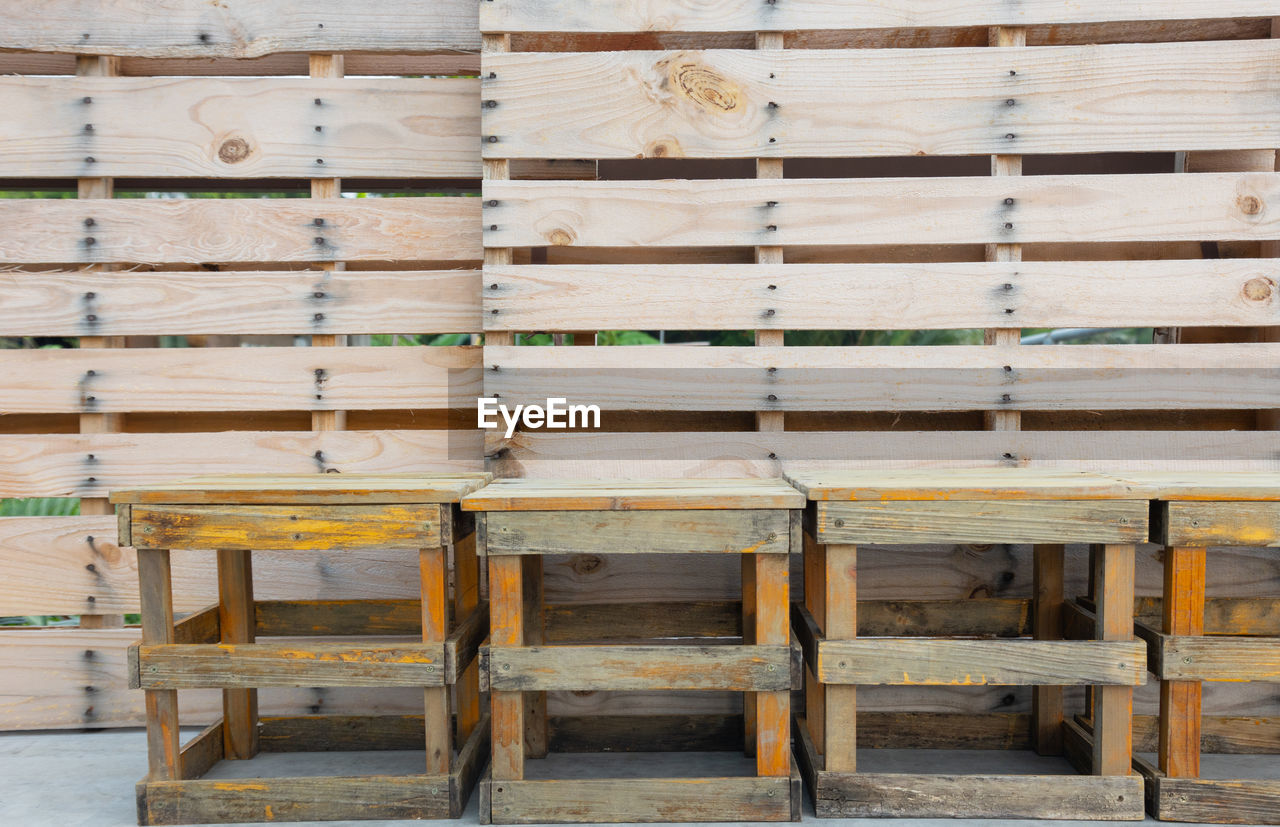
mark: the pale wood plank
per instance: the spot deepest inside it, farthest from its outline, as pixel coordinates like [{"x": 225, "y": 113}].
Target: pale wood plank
[
  {"x": 640, "y": 800},
  {"x": 240, "y": 128},
  {"x": 239, "y": 303},
  {"x": 236, "y": 666},
  {"x": 875, "y": 296},
  {"x": 197, "y": 231},
  {"x": 1191, "y": 658},
  {"x": 224, "y": 379},
  {"x": 729, "y": 16},
  {"x": 241, "y": 28},
  {"x": 632, "y": 494},
  {"x": 1010, "y": 521},
  {"x": 746, "y": 531},
  {"x": 754, "y": 668},
  {"x": 804, "y": 103},
  {"x": 309, "y": 489},
  {"x": 960, "y": 210}
]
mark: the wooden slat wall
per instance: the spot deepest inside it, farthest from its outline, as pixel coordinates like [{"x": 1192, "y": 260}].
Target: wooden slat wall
[
  {"x": 889, "y": 117},
  {"x": 204, "y": 99}
]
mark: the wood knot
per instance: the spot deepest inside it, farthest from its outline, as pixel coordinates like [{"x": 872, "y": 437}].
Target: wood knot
[
  {"x": 587, "y": 563},
  {"x": 664, "y": 148},
  {"x": 561, "y": 237},
  {"x": 702, "y": 85},
  {"x": 233, "y": 151},
  {"x": 1250, "y": 204},
  {"x": 1259, "y": 289}
]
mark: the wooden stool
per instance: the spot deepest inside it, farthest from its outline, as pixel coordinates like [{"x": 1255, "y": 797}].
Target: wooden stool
[
  {"x": 522, "y": 520},
  {"x": 986, "y": 506},
  {"x": 1235, "y": 640},
  {"x": 216, "y": 647}
]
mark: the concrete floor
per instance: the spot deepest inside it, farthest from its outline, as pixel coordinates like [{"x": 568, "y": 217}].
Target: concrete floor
[{"x": 86, "y": 779}]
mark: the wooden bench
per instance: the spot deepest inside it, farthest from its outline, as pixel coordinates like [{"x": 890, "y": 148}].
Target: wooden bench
[
  {"x": 1046, "y": 509},
  {"x": 217, "y": 648},
  {"x": 521, "y": 521},
  {"x": 1221, "y": 639}
]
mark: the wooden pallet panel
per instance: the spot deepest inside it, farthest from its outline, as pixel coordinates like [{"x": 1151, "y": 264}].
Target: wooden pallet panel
[
  {"x": 728, "y": 16},
  {"x": 872, "y": 296},
  {"x": 805, "y": 103},
  {"x": 196, "y": 231},
  {"x": 805, "y": 212},
  {"x": 240, "y": 127},
  {"x": 223, "y": 379},
  {"x": 1051, "y": 377},
  {"x": 241, "y": 28},
  {"x": 240, "y": 303}
]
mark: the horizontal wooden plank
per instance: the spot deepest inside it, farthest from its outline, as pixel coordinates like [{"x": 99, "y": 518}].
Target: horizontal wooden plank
[
  {"x": 747, "y": 531},
  {"x": 232, "y": 379},
  {"x": 737, "y": 453},
  {"x": 930, "y": 296},
  {"x": 538, "y": 668},
  {"x": 210, "y": 230},
  {"x": 1050, "y": 377},
  {"x": 931, "y": 662},
  {"x": 1222, "y": 523},
  {"x": 241, "y": 28},
  {"x": 807, "y": 212},
  {"x": 1209, "y": 485},
  {"x": 239, "y": 303},
  {"x": 279, "y": 63},
  {"x": 76, "y": 678},
  {"x": 308, "y": 489},
  {"x": 976, "y": 521},
  {"x": 287, "y": 527},
  {"x": 1218, "y": 658},
  {"x": 92, "y": 465},
  {"x": 239, "y": 127},
  {"x": 632, "y": 494},
  {"x": 950, "y": 485},
  {"x": 295, "y": 799},
  {"x": 806, "y": 103},
  {"x": 671, "y": 800},
  {"x": 230, "y": 666},
  {"x": 902, "y": 795},
  {"x": 1216, "y": 801},
  {"x": 730, "y": 16}
]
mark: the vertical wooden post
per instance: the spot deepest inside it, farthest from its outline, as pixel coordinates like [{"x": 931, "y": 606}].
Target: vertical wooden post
[
  {"x": 1183, "y": 614},
  {"x": 434, "y": 571},
  {"x": 155, "y": 589},
  {"x": 466, "y": 597},
  {"x": 98, "y": 423},
  {"x": 841, "y": 601},
  {"x": 237, "y": 620},
  {"x": 327, "y": 66},
  {"x": 497, "y": 169},
  {"x": 535, "y": 703},
  {"x": 1046, "y": 701},
  {"x": 1005, "y": 166},
  {"x": 815, "y": 594},
  {"x": 506, "y": 628},
  {"x": 773, "y": 709},
  {"x": 749, "y": 596},
  {"x": 1113, "y": 705}
]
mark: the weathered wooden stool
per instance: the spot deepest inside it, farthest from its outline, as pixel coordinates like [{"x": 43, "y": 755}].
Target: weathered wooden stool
[
  {"x": 519, "y": 521},
  {"x": 987, "y": 506},
  {"x": 216, "y": 648},
  {"x": 1216, "y": 640}
]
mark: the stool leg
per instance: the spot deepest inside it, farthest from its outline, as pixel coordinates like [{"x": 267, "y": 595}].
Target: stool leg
[
  {"x": 1183, "y": 610},
  {"x": 815, "y": 593},
  {"x": 1046, "y": 701},
  {"x": 164, "y": 744},
  {"x": 466, "y": 596},
  {"x": 748, "y": 638},
  {"x": 1113, "y": 705},
  {"x": 434, "y": 571},
  {"x": 535, "y": 703},
  {"x": 773, "y": 709},
  {"x": 506, "y": 628},
  {"x": 236, "y": 617},
  {"x": 841, "y": 623}
]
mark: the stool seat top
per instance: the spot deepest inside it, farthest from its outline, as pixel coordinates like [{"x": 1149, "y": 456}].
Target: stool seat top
[
  {"x": 632, "y": 495},
  {"x": 962, "y": 484},
  {"x": 1206, "y": 486},
  {"x": 307, "y": 489}
]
